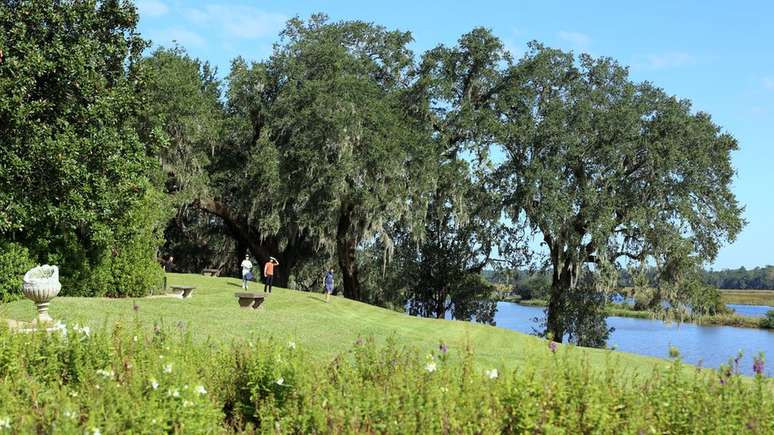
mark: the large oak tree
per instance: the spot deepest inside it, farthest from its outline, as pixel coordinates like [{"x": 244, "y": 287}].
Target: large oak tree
[{"x": 605, "y": 168}]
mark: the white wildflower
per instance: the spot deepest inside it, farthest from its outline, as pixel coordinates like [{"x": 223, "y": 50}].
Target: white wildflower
[
  {"x": 154, "y": 384},
  {"x": 291, "y": 345},
  {"x": 95, "y": 431},
  {"x": 173, "y": 392},
  {"x": 187, "y": 403},
  {"x": 61, "y": 327},
  {"x": 69, "y": 414},
  {"x": 167, "y": 368},
  {"x": 106, "y": 373},
  {"x": 85, "y": 330},
  {"x": 444, "y": 390},
  {"x": 200, "y": 390},
  {"x": 492, "y": 374},
  {"x": 5, "y": 423},
  {"x": 134, "y": 339},
  {"x": 73, "y": 394},
  {"x": 430, "y": 367},
  {"x": 280, "y": 381}
]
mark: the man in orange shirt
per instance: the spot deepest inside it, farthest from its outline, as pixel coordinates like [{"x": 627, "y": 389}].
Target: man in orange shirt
[{"x": 268, "y": 273}]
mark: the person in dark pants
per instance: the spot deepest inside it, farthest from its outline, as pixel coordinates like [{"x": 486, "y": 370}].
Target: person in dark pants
[
  {"x": 268, "y": 273},
  {"x": 328, "y": 285}
]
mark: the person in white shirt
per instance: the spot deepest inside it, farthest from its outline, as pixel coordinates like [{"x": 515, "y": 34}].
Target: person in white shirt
[{"x": 247, "y": 267}]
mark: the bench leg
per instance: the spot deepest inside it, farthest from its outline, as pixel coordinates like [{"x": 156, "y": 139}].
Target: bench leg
[
  {"x": 257, "y": 303},
  {"x": 246, "y": 302},
  {"x": 187, "y": 293}
]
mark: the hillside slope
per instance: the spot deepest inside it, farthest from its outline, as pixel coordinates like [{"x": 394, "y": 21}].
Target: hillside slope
[{"x": 325, "y": 329}]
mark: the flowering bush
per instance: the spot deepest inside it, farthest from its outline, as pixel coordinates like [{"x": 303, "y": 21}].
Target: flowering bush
[{"x": 77, "y": 380}]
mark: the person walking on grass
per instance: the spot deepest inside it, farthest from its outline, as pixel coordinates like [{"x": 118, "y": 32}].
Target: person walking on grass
[
  {"x": 268, "y": 273},
  {"x": 247, "y": 268},
  {"x": 328, "y": 285}
]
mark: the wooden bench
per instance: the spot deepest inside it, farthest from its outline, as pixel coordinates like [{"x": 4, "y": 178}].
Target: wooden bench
[
  {"x": 250, "y": 300},
  {"x": 183, "y": 291},
  {"x": 211, "y": 272}
]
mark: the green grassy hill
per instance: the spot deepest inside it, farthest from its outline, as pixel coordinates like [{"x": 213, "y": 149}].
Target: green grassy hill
[
  {"x": 213, "y": 380},
  {"x": 325, "y": 329}
]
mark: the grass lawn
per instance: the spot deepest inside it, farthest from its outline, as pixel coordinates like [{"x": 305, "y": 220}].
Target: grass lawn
[
  {"x": 748, "y": 297},
  {"x": 325, "y": 329}
]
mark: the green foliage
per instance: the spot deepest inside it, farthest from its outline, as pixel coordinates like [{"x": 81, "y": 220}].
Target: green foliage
[
  {"x": 73, "y": 171},
  {"x": 705, "y": 299},
  {"x": 82, "y": 381},
  {"x": 586, "y": 317},
  {"x": 352, "y": 151},
  {"x": 442, "y": 271},
  {"x": 130, "y": 268},
  {"x": 768, "y": 321},
  {"x": 15, "y": 261},
  {"x": 533, "y": 285},
  {"x": 604, "y": 168},
  {"x": 758, "y": 278},
  {"x": 183, "y": 113}
]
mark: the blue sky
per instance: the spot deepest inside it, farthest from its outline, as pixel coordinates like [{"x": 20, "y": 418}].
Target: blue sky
[{"x": 718, "y": 54}]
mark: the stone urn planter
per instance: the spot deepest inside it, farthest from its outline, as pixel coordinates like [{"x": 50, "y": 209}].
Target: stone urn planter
[{"x": 41, "y": 284}]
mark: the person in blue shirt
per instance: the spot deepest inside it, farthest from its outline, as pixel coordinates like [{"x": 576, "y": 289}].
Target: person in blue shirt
[{"x": 328, "y": 285}]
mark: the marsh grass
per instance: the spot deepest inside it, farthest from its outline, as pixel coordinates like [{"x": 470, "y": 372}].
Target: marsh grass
[{"x": 748, "y": 297}]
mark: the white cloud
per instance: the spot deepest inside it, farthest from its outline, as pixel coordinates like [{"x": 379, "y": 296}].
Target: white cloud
[
  {"x": 768, "y": 83},
  {"x": 671, "y": 59},
  {"x": 152, "y": 8},
  {"x": 244, "y": 22},
  {"x": 182, "y": 36},
  {"x": 577, "y": 39}
]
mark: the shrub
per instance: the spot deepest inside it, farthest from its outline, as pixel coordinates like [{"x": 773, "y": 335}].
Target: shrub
[
  {"x": 768, "y": 321},
  {"x": 124, "y": 380},
  {"x": 15, "y": 261},
  {"x": 122, "y": 265}
]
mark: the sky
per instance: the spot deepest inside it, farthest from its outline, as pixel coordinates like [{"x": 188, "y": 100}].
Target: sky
[{"x": 718, "y": 54}]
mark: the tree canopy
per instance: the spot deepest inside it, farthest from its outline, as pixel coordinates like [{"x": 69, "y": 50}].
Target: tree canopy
[
  {"x": 343, "y": 148},
  {"x": 75, "y": 178},
  {"x": 605, "y": 168}
]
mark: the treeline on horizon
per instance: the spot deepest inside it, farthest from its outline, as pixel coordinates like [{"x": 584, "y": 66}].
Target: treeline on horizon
[
  {"x": 346, "y": 149},
  {"x": 758, "y": 278}
]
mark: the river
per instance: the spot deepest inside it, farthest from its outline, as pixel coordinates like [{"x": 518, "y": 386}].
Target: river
[
  {"x": 709, "y": 346},
  {"x": 750, "y": 310}
]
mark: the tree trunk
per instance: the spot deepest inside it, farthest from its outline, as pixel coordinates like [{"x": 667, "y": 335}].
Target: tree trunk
[
  {"x": 564, "y": 279},
  {"x": 440, "y": 304},
  {"x": 345, "y": 251}
]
